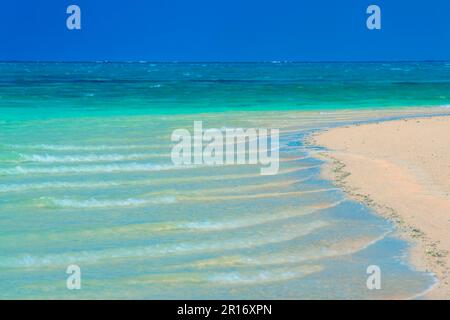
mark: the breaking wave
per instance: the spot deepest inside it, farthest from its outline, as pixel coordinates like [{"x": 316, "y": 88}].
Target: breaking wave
[
  {"x": 84, "y": 158},
  {"x": 95, "y": 203},
  {"x": 105, "y": 168}
]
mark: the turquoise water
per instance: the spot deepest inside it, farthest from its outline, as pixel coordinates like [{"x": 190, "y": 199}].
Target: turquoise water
[{"x": 86, "y": 178}]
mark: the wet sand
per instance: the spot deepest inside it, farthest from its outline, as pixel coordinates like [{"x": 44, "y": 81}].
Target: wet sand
[{"x": 401, "y": 169}]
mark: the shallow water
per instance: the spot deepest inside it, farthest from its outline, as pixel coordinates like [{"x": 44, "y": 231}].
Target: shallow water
[{"x": 86, "y": 178}]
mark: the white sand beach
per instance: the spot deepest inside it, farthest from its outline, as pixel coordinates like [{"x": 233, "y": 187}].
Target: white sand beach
[{"x": 402, "y": 169}]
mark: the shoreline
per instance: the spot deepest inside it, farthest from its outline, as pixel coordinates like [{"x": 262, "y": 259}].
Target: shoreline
[{"x": 388, "y": 166}]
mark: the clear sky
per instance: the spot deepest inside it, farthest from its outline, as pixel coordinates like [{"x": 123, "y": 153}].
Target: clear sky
[{"x": 225, "y": 30}]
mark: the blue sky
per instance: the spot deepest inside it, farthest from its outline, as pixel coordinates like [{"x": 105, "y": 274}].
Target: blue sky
[{"x": 225, "y": 30}]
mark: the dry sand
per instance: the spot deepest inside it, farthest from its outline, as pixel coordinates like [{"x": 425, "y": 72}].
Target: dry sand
[{"x": 402, "y": 170}]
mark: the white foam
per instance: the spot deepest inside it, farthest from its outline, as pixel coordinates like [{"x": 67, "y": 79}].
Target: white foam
[
  {"x": 255, "y": 220},
  {"x": 263, "y": 276},
  {"x": 63, "y": 147},
  {"x": 83, "y": 158},
  {"x": 109, "y": 168},
  {"x": 95, "y": 203},
  {"x": 54, "y": 185},
  {"x": 288, "y": 233}
]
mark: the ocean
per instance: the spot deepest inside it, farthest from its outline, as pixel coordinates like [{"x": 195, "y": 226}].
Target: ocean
[{"x": 86, "y": 179}]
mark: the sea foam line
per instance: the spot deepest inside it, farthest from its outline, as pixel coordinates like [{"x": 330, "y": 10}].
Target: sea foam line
[
  {"x": 105, "y": 168},
  {"x": 139, "y": 229},
  {"x": 255, "y": 196},
  {"x": 311, "y": 253},
  {"x": 55, "y": 147},
  {"x": 288, "y": 233},
  {"x": 112, "y": 168},
  {"x": 255, "y": 219},
  {"x": 95, "y": 203},
  {"x": 86, "y": 158},
  {"x": 228, "y": 278},
  {"x": 18, "y": 187},
  {"x": 279, "y": 274},
  {"x": 46, "y": 158}
]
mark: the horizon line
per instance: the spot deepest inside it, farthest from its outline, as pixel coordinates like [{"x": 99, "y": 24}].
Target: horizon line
[{"x": 222, "y": 61}]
